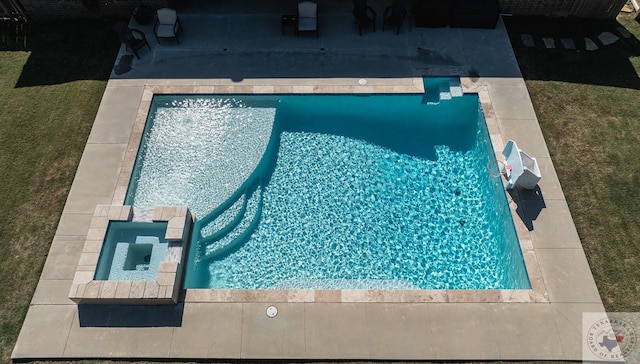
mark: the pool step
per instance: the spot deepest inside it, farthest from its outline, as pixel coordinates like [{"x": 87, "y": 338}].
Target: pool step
[
  {"x": 434, "y": 92},
  {"x": 238, "y": 230}
]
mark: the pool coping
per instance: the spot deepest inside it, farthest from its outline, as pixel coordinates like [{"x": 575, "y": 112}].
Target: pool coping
[{"x": 537, "y": 293}]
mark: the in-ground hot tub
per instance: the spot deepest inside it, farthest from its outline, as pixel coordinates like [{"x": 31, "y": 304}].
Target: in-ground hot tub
[
  {"x": 132, "y": 251},
  {"x": 133, "y": 262}
]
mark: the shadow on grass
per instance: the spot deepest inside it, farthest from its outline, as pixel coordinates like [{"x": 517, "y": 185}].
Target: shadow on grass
[
  {"x": 130, "y": 315},
  {"x": 63, "y": 51},
  {"x": 609, "y": 65}
]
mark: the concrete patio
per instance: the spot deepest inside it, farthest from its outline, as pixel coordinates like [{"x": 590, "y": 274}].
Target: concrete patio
[{"x": 247, "y": 53}]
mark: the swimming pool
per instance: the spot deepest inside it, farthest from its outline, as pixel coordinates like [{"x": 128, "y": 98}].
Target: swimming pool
[{"x": 331, "y": 191}]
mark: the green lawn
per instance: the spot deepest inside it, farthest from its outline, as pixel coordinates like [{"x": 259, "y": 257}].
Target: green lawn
[
  {"x": 49, "y": 96},
  {"x": 588, "y": 105}
]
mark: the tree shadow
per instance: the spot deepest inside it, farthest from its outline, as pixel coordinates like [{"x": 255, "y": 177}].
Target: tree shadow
[
  {"x": 609, "y": 65},
  {"x": 66, "y": 51}
]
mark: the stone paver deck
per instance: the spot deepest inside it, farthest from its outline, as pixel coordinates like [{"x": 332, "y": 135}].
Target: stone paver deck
[{"x": 214, "y": 52}]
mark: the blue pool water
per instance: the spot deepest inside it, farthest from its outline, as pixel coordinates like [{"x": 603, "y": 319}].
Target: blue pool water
[
  {"x": 132, "y": 251},
  {"x": 332, "y": 191}
]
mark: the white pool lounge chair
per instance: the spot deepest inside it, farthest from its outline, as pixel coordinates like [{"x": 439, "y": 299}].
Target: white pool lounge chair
[
  {"x": 307, "y": 17},
  {"x": 520, "y": 169},
  {"x": 167, "y": 24}
]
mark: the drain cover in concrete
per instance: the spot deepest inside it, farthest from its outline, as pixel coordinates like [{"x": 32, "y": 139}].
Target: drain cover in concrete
[
  {"x": 607, "y": 38},
  {"x": 549, "y": 42},
  {"x": 272, "y": 311},
  {"x": 527, "y": 40},
  {"x": 567, "y": 43}
]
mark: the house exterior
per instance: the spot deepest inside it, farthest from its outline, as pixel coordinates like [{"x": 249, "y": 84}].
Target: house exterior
[{"x": 61, "y": 9}]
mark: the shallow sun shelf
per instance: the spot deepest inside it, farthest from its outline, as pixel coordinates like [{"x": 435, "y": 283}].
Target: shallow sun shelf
[{"x": 520, "y": 169}]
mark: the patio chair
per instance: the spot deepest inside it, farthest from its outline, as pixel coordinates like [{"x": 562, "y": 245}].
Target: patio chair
[
  {"x": 167, "y": 24},
  {"x": 307, "y": 17},
  {"x": 364, "y": 15},
  {"x": 133, "y": 39},
  {"x": 520, "y": 168},
  {"x": 394, "y": 15}
]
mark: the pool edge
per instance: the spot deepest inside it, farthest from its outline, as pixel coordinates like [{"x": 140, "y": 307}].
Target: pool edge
[{"x": 537, "y": 293}]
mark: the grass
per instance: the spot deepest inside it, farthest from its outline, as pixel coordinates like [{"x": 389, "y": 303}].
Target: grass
[
  {"x": 587, "y": 104},
  {"x": 49, "y": 96}
]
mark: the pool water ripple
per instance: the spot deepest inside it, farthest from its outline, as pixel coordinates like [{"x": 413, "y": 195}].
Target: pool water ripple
[{"x": 339, "y": 211}]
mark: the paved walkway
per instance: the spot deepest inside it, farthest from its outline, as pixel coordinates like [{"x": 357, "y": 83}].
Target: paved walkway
[
  {"x": 248, "y": 52},
  {"x": 251, "y": 46}
]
